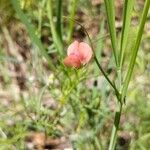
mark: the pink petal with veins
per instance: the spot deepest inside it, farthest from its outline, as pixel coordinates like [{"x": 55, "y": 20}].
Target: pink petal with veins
[
  {"x": 79, "y": 53},
  {"x": 86, "y": 52},
  {"x": 73, "y": 48}
]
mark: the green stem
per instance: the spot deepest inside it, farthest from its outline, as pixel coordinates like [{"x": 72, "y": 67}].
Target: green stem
[
  {"x": 115, "y": 128},
  {"x": 99, "y": 66},
  {"x": 106, "y": 76}
]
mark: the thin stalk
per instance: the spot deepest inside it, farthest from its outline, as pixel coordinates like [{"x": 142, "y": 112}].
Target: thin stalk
[
  {"x": 110, "y": 11},
  {"x": 106, "y": 76},
  {"x": 135, "y": 49},
  {"x": 56, "y": 38},
  {"x": 72, "y": 15},
  {"x": 100, "y": 67},
  {"x": 115, "y": 128}
]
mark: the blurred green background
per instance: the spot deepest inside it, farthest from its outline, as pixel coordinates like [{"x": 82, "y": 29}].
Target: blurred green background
[{"x": 45, "y": 105}]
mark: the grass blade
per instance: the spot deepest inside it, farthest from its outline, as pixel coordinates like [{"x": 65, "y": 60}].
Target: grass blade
[
  {"x": 127, "y": 14},
  {"x": 135, "y": 48},
  {"x": 72, "y": 16},
  {"x": 55, "y": 36},
  {"x": 110, "y": 10}
]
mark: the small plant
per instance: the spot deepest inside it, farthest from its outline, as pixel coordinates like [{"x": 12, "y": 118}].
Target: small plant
[{"x": 78, "y": 56}]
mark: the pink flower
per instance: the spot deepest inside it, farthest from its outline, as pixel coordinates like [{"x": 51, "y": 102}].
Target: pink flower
[{"x": 79, "y": 53}]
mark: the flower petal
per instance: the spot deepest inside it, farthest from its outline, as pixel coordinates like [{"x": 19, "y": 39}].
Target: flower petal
[
  {"x": 72, "y": 61},
  {"x": 73, "y": 48},
  {"x": 86, "y": 52}
]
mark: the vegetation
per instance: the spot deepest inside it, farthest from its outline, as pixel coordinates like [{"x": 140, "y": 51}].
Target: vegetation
[{"x": 101, "y": 104}]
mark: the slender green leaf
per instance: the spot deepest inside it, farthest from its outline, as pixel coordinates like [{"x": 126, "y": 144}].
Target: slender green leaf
[
  {"x": 110, "y": 10},
  {"x": 56, "y": 37},
  {"x": 127, "y": 14},
  {"x": 72, "y": 16},
  {"x": 135, "y": 48}
]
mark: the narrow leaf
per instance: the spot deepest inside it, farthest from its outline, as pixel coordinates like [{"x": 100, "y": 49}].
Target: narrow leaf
[
  {"x": 127, "y": 14},
  {"x": 72, "y": 16},
  {"x": 110, "y": 10},
  {"x": 56, "y": 38},
  {"x": 135, "y": 48}
]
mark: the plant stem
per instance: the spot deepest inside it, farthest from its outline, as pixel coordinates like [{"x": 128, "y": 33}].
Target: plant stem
[
  {"x": 106, "y": 76},
  {"x": 115, "y": 128},
  {"x": 98, "y": 64}
]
